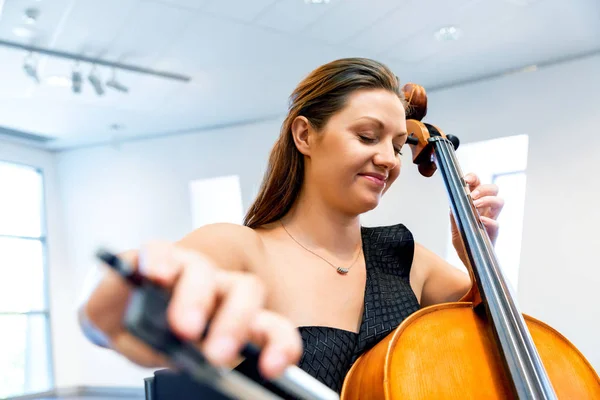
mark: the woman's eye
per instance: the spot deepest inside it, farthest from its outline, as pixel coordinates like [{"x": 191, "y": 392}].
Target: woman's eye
[
  {"x": 398, "y": 150},
  {"x": 366, "y": 139}
]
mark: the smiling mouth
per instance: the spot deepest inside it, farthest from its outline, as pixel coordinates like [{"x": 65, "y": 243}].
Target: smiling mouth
[{"x": 374, "y": 179}]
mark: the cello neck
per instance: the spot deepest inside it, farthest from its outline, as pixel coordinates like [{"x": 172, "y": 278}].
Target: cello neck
[{"x": 519, "y": 354}]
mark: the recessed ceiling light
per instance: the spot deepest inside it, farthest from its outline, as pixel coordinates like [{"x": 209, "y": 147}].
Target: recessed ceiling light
[
  {"x": 448, "y": 33},
  {"x": 316, "y": 1},
  {"x": 31, "y": 16}
]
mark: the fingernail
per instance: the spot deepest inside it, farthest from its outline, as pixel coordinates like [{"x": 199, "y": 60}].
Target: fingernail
[
  {"x": 221, "y": 349},
  {"x": 474, "y": 194},
  {"x": 477, "y": 203}
]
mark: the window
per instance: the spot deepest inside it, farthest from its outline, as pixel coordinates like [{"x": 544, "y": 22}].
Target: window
[
  {"x": 216, "y": 200},
  {"x": 503, "y": 162},
  {"x": 25, "y": 349}
]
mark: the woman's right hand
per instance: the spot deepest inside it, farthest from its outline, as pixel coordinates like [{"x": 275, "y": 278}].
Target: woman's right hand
[{"x": 232, "y": 301}]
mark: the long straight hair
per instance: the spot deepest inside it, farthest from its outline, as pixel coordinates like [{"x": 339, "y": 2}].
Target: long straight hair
[{"x": 318, "y": 97}]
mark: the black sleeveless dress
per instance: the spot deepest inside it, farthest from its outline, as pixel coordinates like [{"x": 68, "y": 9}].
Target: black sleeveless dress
[{"x": 330, "y": 352}]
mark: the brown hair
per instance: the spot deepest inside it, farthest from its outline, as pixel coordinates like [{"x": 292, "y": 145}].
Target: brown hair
[{"x": 320, "y": 95}]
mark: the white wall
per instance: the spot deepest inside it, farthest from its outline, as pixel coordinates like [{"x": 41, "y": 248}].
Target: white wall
[{"x": 124, "y": 196}]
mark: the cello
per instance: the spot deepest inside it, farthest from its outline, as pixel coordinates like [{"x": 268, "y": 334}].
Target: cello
[{"x": 481, "y": 347}]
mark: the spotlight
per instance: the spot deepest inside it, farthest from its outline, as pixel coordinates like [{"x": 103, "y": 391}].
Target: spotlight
[
  {"x": 30, "y": 68},
  {"x": 76, "y": 79},
  {"x": 95, "y": 81},
  {"x": 113, "y": 83}
]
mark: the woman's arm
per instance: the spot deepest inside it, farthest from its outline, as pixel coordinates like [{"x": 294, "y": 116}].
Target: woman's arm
[{"x": 442, "y": 282}]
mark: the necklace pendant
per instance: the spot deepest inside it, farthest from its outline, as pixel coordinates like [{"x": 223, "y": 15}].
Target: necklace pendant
[{"x": 342, "y": 271}]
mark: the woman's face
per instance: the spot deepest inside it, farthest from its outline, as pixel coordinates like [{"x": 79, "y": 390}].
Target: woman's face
[{"x": 357, "y": 155}]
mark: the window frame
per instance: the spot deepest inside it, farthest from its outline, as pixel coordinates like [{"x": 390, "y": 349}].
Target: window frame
[{"x": 46, "y": 311}]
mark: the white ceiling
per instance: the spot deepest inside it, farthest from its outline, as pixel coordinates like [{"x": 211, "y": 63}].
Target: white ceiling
[{"x": 246, "y": 56}]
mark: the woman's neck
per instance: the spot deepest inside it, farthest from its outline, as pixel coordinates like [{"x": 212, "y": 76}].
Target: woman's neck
[{"x": 319, "y": 226}]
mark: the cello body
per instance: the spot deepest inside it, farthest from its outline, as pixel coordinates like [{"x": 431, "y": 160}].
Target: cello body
[
  {"x": 482, "y": 346},
  {"x": 445, "y": 351}
]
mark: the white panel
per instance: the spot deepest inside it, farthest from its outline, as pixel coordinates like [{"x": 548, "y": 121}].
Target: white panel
[
  {"x": 43, "y": 30},
  {"x": 482, "y": 14},
  {"x": 216, "y": 200},
  {"x": 350, "y": 19},
  {"x": 294, "y": 15},
  {"x": 517, "y": 37},
  {"x": 413, "y": 17},
  {"x": 148, "y": 32},
  {"x": 244, "y": 10},
  {"x": 92, "y": 25}
]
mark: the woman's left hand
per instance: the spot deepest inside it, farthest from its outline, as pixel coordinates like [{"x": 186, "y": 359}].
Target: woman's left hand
[{"x": 488, "y": 204}]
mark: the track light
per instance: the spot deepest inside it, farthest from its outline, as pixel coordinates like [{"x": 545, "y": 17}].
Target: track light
[
  {"x": 76, "y": 80},
  {"x": 96, "y": 82},
  {"x": 114, "y": 84},
  {"x": 30, "y": 68}
]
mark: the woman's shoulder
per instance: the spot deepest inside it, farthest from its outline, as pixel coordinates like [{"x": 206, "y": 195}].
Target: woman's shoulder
[
  {"x": 223, "y": 231},
  {"x": 233, "y": 246}
]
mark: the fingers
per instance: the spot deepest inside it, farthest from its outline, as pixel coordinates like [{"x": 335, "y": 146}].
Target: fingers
[
  {"x": 157, "y": 261},
  {"x": 193, "y": 297},
  {"x": 280, "y": 340},
  {"x": 484, "y": 190},
  {"x": 489, "y": 206},
  {"x": 491, "y": 226},
  {"x": 472, "y": 180},
  {"x": 232, "y": 301},
  {"x": 242, "y": 297}
]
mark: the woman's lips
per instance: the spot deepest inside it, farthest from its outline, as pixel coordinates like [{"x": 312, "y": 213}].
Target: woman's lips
[{"x": 378, "y": 180}]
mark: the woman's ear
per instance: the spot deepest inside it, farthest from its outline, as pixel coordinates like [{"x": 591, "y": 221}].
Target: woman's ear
[{"x": 301, "y": 131}]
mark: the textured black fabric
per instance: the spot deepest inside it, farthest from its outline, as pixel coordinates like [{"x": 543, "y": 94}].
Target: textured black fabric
[{"x": 330, "y": 352}]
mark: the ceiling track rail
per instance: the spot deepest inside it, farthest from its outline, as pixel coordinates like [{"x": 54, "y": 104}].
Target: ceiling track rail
[{"x": 94, "y": 61}]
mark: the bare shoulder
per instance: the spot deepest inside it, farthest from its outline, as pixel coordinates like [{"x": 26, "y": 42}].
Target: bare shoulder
[
  {"x": 231, "y": 246},
  {"x": 441, "y": 281}
]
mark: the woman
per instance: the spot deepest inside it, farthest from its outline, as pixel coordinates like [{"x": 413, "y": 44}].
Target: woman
[{"x": 302, "y": 277}]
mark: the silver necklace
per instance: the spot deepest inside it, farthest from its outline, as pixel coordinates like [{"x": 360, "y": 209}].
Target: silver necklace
[{"x": 340, "y": 270}]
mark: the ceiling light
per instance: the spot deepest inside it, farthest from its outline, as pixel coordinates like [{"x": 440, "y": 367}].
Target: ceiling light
[
  {"x": 58, "y": 80},
  {"x": 31, "y": 16},
  {"x": 76, "y": 80},
  {"x": 30, "y": 68},
  {"x": 96, "y": 82},
  {"x": 316, "y": 1},
  {"x": 114, "y": 84},
  {"x": 448, "y": 33}
]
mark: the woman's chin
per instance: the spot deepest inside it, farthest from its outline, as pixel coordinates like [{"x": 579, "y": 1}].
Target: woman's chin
[{"x": 368, "y": 202}]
